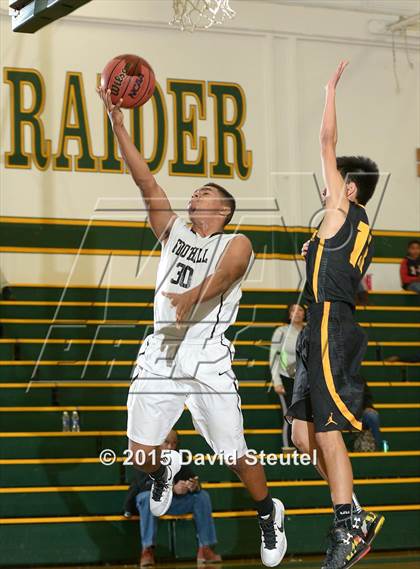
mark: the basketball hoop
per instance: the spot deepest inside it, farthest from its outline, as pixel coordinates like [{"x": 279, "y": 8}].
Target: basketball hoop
[
  {"x": 403, "y": 27},
  {"x": 193, "y": 15}
]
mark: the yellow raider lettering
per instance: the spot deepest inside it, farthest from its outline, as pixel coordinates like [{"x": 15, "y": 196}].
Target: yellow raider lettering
[
  {"x": 160, "y": 122},
  {"x": 185, "y": 127},
  {"x": 186, "y": 117},
  {"x": 78, "y": 129},
  {"x": 225, "y": 129},
  {"x": 21, "y": 117}
]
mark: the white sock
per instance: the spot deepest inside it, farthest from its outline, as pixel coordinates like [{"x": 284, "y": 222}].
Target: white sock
[{"x": 356, "y": 506}]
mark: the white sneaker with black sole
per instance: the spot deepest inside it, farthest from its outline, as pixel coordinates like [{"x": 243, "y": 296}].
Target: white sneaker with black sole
[
  {"x": 273, "y": 536},
  {"x": 161, "y": 492}
]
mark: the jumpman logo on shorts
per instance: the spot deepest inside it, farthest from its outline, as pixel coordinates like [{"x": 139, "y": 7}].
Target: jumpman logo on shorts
[{"x": 330, "y": 421}]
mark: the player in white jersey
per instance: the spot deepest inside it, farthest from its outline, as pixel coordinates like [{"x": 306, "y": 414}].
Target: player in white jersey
[{"x": 187, "y": 359}]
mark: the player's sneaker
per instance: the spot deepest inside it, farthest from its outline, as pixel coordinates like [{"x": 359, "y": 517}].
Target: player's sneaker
[
  {"x": 161, "y": 492},
  {"x": 346, "y": 548},
  {"x": 369, "y": 524},
  {"x": 273, "y": 536}
]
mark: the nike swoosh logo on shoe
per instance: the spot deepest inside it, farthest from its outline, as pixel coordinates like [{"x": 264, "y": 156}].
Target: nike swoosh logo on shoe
[{"x": 281, "y": 528}]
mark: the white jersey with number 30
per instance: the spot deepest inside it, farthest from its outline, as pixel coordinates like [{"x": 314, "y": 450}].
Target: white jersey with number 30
[{"x": 186, "y": 260}]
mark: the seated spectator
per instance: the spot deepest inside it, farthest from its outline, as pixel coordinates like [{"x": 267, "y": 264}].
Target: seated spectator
[
  {"x": 370, "y": 418},
  {"x": 283, "y": 361},
  {"x": 188, "y": 498},
  {"x": 410, "y": 267}
]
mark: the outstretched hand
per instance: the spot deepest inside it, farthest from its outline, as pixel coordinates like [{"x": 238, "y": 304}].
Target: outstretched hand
[
  {"x": 183, "y": 304},
  {"x": 114, "y": 111},
  {"x": 332, "y": 83}
]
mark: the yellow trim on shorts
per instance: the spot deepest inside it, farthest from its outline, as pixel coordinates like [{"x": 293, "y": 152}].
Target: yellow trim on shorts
[
  {"x": 326, "y": 366},
  {"x": 319, "y": 252}
]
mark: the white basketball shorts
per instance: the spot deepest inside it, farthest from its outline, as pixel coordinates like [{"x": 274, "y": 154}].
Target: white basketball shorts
[{"x": 169, "y": 375}]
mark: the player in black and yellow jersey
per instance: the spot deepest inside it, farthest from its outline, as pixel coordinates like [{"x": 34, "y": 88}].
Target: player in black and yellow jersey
[{"x": 328, "y": 392}]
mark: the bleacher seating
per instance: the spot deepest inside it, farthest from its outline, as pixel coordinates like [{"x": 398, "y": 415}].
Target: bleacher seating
[{"x": 57, "y": 493}]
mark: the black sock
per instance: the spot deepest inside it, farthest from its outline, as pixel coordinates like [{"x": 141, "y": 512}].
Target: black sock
[
  {"x": 265, "y": 507},
  {"x": 343, "y": 513},
  {"x": 159, "y": 473}
]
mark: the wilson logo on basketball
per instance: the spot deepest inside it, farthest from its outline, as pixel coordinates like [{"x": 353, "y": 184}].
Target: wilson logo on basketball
[
  {"x": 136, "y": 87},
  {"x": 118, "y": 80}
]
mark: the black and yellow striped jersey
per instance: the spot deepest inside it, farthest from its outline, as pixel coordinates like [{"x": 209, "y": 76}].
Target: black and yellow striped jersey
[{"x": 335, "y": 266}]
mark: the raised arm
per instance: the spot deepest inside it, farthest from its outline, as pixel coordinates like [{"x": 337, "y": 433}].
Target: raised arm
[
  {"x": 160, "y": 213},
  {"x": 334, "y": 183}
]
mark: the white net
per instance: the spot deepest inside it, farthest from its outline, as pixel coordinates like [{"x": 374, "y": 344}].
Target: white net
[
  {"x": 193, "y": 15},
  {"x": 402, "y": 29}
]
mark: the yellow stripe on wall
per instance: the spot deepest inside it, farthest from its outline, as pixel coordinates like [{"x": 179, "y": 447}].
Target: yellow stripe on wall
[
  {"x": 186, "y": 432},
  {"x": 123, "y": 384},
  {"x": 223, "y": 514},
  {"x": 156, "y": 253},
  {"x": 121, "y": 223},
  {"x": 205, "y": 485},
  {"x": 96, "y": 460}
]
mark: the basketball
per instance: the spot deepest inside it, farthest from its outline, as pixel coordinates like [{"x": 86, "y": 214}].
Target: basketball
[{"x": 129, "y": 78}]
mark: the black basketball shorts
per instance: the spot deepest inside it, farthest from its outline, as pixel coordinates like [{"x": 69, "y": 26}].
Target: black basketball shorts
[{"x": 328, "y": 389}]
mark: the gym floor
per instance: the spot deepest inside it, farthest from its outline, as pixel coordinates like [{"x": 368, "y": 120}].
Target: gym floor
[{"x": 395, "y": 560}]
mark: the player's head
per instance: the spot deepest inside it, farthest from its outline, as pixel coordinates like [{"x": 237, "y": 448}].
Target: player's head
[
  {"x": 360, "y": 175},
  {"x": 212, "y": 201},
  {"x": 171, "y": 441},
  {"x": 413, "y": 249},
  {"x": 296, "y": 313}
]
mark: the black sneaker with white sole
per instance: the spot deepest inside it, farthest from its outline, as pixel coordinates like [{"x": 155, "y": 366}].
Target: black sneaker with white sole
[
  {"x": 346, "y": 547},
  {"x": 273, "y": 536},
  {"x": 162, "y": 490},
  {"x": 369, "y": 524}
]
